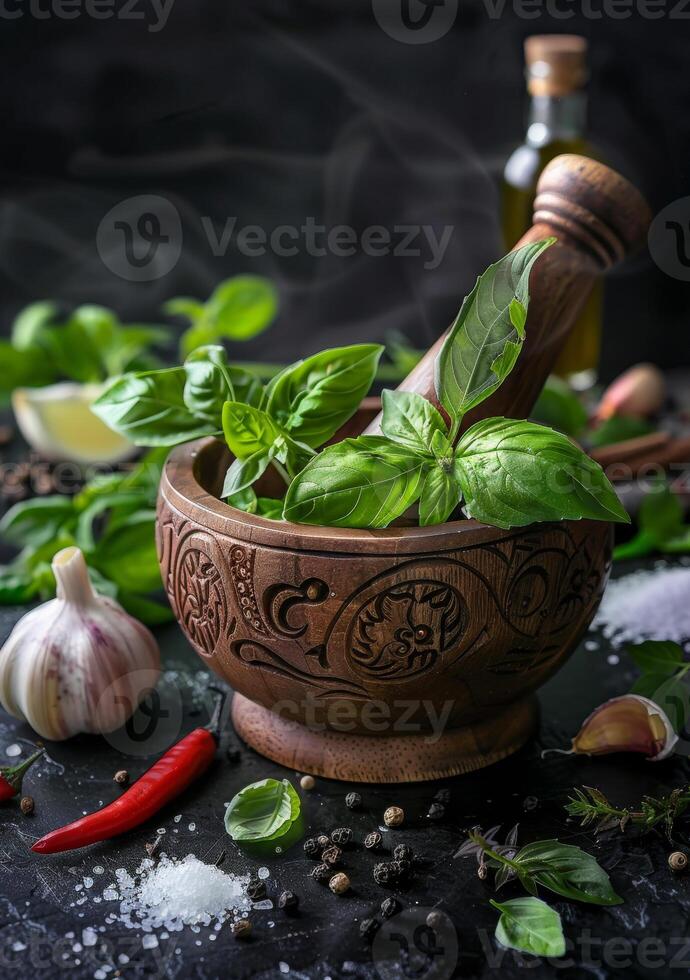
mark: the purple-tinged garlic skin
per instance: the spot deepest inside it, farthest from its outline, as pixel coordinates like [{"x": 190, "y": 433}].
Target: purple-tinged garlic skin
[
  {"x": 78, "y": 663},
  {"x": 630, "y": 723}
]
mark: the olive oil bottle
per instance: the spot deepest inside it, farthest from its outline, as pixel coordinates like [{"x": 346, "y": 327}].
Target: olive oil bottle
[{"x": 556, "y": 79}]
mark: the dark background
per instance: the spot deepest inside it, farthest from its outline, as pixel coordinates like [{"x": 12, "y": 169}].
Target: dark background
[{"x": 272, "y": 111}]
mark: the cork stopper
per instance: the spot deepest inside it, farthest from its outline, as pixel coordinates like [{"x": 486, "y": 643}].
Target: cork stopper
[{"x": 556, "y": 63}]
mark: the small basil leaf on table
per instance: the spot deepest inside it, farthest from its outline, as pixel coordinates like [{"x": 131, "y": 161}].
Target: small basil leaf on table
[
  {"x": 513, "y": 473},
  {"x": 262, "y": 811},
  {"x": 410, "y": 420},
  {"x": 655, "y": 656},
  {"x": 486, "y": 338},
  {"x": 660, "y": 524},
  {"x": 440, "y": 496},
  {"x": 530, "y": 926},
  {"x": 314, "y": 397},
  {"x": 363, "y": 482},
  {"x": 126, "y": 554},
  {"x": 559, "y": 407},
  {"x": 568, "y": 871},
  {"x": 248, "y": 430},
  {"x": 149, "y": 409}
]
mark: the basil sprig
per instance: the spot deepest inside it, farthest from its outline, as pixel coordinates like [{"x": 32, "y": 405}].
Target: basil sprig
[
  {"x": 530, "y": 926},
  {"x": 509, "y": 473}
]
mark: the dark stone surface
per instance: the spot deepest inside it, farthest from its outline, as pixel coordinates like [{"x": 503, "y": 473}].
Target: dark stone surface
[{"x": 41, "y": 920}]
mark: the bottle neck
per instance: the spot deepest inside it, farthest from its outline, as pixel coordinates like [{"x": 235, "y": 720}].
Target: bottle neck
[{"x": 556, "y": 118}]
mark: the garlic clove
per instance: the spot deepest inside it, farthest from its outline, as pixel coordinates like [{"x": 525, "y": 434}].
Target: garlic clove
[
  {"x": 638, "y": 393},
  {"x": 78, "y": 663},
  {"x": 629, "y": 723},
  {"x": 57, "y": 422}
]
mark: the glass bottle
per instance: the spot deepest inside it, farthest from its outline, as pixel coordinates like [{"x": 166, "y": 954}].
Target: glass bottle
[{"x": 556, "y": 77}]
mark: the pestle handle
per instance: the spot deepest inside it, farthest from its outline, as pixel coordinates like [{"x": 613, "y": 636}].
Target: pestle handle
[{"x": 597, "y": 217}]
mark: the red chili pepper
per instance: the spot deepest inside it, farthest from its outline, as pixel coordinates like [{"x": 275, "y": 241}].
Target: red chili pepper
[
  {"x": 11, "y": 776},
  {"x": 171, "y": 775}
]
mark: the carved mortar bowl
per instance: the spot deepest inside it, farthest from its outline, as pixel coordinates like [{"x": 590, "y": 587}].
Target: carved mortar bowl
[{"x": 378, "y": 656}]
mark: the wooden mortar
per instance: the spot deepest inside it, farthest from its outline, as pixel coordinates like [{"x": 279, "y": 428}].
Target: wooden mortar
[{"x": 410, "y": 653}]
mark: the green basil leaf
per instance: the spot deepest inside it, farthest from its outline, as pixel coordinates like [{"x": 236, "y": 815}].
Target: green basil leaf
[
  {"x": 149, "y": 409},
  {"x": 514, "y": 473},
  {"x": 484, "y": 341},
  {"x": 193, "y": 309},
  {"x": 239, "y": 308},
  {"x": 242, "y": 473},
  {"x": 30, "y": 325},
  {"x": 648, "y": 685},
  {"x": 126, "y": 502},
  {"x": 23, "y": 369},
  {"x": 208, "y": 385},
  {"x": 410, "y": 420},
  {"x": 661, "y": 513},
  {"x": 17, "y": 585},
  {"x": 146, "y": 610},
  {"x": 126, "y": 553},
  {"x": 36, "y": 522},
  {"x": 559, "y": 407},
  {"x": 679, "y": 544},
  {"x": 568, "y": 871},
  {"x": 530, "y": 926},
  {"x": 657, "y": 656},
  {"x": 262, "y": 811},
  {"x": 248, "y": 430},
  {"x": 246, "y": 386},
  {"x": 270, "y": 507},
  {"x": 244, "y": 499},
  {"x": 637, "y": 547},
  {"x": 363, "y": 482},
  {"x": 440, "y": 496},
  {"x": 313, "y": 398}
]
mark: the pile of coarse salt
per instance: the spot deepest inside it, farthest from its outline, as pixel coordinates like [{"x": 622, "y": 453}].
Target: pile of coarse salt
[
  {"x": 647, "y": 605},
  {"x": 171, "y": 894}
]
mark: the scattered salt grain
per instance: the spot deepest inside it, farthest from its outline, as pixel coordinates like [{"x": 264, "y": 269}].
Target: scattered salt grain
[
  {"x": 613, "y": 659},
  {"x": 283, "y": 967},
  {"x": 89, "y": 936},
  {"x": 647, "y": 605},
  {"x": 174, "y": 893},
  {"x": 13, "y": 749},
  {"x": 18, "y": 946},
  {"x": 263, "y": 873},
  {"x": 149, "y": 941},
  {"x": 192, "y": 826}
]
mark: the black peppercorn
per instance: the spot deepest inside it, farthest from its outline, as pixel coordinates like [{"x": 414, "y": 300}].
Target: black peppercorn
[
  {"x": 437, "y": 811},
  {"x": 288, "y": 901},
  {"x": 402, "y": 852},
  {"x": 389, "y": 907},
  {"x": 311, "y": 847},
  {"x": 233, "y": 755},
  {"x": 322, "y": 873},
  {"x": 402, "y": 868},
  {"x": 368, "y": 928},
  {"x": 256, "y": 889},
  {"x": 442, "y": 796},
  {"x": 353, "y": 801},
  {"x": 385, "y": 873},
  {"x": 332, "y": 855},
  {"x": 341, "y": 835},
  {"x": 323, "y": 841},
  {"x": 373, "y": 840},
  {"x": 241, "y": 929}
]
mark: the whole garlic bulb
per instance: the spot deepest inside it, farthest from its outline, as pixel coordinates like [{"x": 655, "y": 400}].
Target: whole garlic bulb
[{"x": 78, "y": 663}]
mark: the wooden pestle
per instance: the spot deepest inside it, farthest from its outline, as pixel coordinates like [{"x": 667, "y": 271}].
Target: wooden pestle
[{"x": 597, "y": 217}]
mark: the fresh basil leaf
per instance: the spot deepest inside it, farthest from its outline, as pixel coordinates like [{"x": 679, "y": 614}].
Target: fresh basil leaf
[
  {"x": 17, "y": 585},
  {"x": 36, "y": 522},
  {"x": 559, "y": 407},
  {"x": 530, "y": 926},
  {"x": 270, "y": 507},
  {"x": 568, "y": 871},
  {"x": 23, "y": 369},
  {"x": 619, "y": 428},
  {"x": 239, "y": 308},
  {"x": 149, "y": 409},
  {"x": 363, "y": 482},
  {"x": 208, "y": 385},
  {"x": 514, "y": 473},
  {"x": 30, "y": 325},
  {"x": 193, "y": 309},
  {"x": 637, "y": 547},
  {"x": 246, "y": 386},
  {"x": 126, "y": 502},
  {"x": 440, "y": 496},
  {"x": 484, "y": 341},
  {"x": 657, "y": 656},
  {"x": 313, "y": 398},
  {"x": 648, "y": 685},
  {"x": 244, "y": 499},
  {"x": 248, "y": 430},
  {"x": 146, "y": 610},
  {"x": 262, "y": 811},
  {"x": 661, "y": 513},
  {"x": 410, "y": 420},
  {"x": 679, "y": 544},
  {"x": 126, "y": 553},
  {"x": 242, "y": 473}
]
